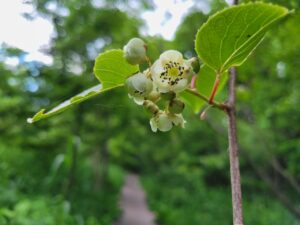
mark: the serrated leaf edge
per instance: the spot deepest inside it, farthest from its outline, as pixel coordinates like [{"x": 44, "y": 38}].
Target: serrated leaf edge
[{"x": 235, "y": 6}]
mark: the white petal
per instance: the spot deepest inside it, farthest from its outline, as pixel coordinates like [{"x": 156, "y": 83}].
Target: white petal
[
  {"x": 171, "y": 55},
  {"x": 153, "y": 124},
  {"x": 181, "y": 85},
  {"x": 138, "y": 100},
  {"x": 164, "y": 123},
  {"x": 163, "y": 87},
  {"x": 156, "y": 71},
  {"x": 156, "y": 68},
  {"x": 141, "y": 82},
  {"x": 177, "y": 119}
]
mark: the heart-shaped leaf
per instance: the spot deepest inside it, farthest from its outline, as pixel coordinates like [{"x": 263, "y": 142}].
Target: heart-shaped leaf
[{"x": 228, "y": 37}]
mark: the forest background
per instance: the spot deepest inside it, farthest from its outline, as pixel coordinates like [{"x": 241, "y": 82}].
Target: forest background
[{"x": 69, "y": 169}]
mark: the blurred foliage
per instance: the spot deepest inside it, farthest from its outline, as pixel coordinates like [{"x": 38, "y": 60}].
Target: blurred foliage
[
  {"x": 190, "y": 201},
  {"x": 69, "y": 169}
]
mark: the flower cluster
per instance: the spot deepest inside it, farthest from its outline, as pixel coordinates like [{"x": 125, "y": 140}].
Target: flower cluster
[{"x": 157, "y": 87}]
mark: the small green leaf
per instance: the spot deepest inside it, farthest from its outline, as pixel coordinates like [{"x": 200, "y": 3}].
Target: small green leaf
[
  {"x": 87, "y": 94},
  {"x": 112, "y": 69},
  {"x": 204, "y": 84},
  {"x": 228, "y": 37}
]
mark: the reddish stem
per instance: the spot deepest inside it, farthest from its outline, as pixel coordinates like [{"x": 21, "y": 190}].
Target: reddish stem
[
  {"x": 214, "y": 89},
  {"x": 193, "y": 81}
]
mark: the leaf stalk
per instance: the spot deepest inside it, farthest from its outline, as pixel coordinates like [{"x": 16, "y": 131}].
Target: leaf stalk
[
  {"x": 218, "y": 105},
  {"x": 214, "y": 89}
]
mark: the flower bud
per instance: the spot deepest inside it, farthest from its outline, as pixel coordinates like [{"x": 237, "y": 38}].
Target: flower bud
[
  {"x": 154, "y": 96},
  {"x": 135, "y": 51},
  {"x": 139, "y": 86},
  {"x": 195, "y": 64},
  {"x": 168, "y": 96},
  {"x": 176, "y": 106},
  {"x": 151, "y": 107}
]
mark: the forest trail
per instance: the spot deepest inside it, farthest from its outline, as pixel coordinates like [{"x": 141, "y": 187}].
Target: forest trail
[{"x": 133, "y": 204}]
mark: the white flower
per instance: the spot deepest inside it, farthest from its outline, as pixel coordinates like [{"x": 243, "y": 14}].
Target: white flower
[
  {"x": 171, "y": 72},
  {"x": 161, "y": 121},
  {"x": 139, "y": 86},
  {"x": 177, "y": 119},
  {"x": 135, "y": 51},
  {"x": 165, "y": 121}
]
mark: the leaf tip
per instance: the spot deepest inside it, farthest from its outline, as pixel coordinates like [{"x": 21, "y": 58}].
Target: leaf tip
[
  {"x": 292, "y": 11},
  {"x": 29, "y": 120},
  {"x": 36, "y": 117}
]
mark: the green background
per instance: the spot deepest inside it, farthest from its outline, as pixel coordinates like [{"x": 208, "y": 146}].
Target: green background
[{"x": 69, "y": 169}]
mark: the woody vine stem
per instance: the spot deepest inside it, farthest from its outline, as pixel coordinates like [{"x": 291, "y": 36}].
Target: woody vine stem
[
  {"x": 229, "y": 108},
  {"x": 234, "y": 153},
  {"x": 236, "y": 191}
]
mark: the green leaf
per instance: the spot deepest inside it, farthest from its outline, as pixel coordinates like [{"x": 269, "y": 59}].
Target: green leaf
[
  {"x": 89, "y": 93},
  {"x": 229, "y": 36},
  {"x": 110, "y": 68},
  {"x": 204, "y": 84}
]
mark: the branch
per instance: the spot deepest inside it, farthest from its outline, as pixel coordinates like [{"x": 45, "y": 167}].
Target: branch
[
  {"x": 286, "y": 175},
  {"x": 203, "y": 97},
  {"x": 233, "y": 153}
]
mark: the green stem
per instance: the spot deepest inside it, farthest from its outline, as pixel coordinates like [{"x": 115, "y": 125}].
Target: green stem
[{"x": 203, "y": 97}]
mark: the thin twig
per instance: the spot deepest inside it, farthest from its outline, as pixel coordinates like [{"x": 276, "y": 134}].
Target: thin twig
[
  {"x": 215, "y": 88},
  {"x": 284, "y": 199},
  {"x": 203, "y": 97}
]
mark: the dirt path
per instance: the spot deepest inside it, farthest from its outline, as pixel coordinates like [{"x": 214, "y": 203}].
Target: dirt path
[{"x": 133, "y": 204}]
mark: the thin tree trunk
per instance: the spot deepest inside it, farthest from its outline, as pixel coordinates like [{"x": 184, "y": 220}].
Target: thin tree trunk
[{"x": 234, "y": 153}]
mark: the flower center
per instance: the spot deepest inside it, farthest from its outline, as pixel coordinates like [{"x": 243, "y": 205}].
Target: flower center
[{"x": 172, "y": 73}]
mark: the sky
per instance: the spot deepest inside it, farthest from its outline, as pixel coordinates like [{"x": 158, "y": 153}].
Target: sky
[
  {"x": 16, "y": 31},
  {"x": 33, "y": 35}
]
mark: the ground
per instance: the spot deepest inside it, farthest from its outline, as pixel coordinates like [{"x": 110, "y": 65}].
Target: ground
[{"x": 133, "y": 204}]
